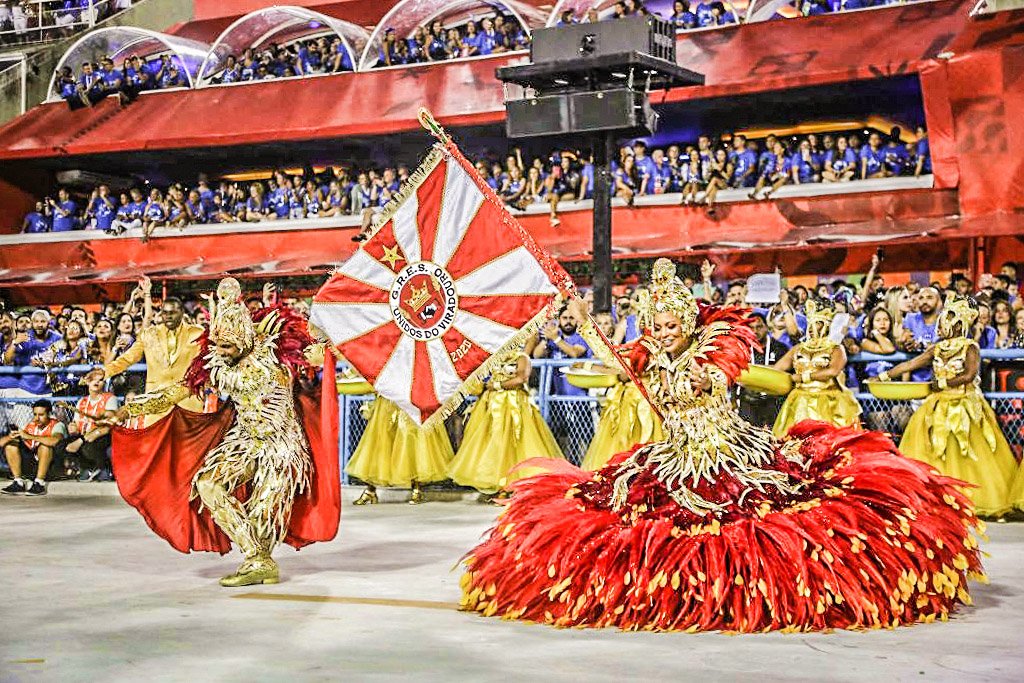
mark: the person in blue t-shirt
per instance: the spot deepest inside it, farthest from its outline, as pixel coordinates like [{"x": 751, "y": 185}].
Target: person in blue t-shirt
[
  {"x": 922, "y": 153},
  {"x": 682, "y": 17},
  {"x": 896, "y": 158},
  {"x": 102, "y": 209},
  {"x": 231, "y": 72},
  {"x": 663, "y": 179},
  {"x": 36, "y": 220},
  {"x": 471, "y": 40},
  {"x": 703, "y": 13},
  {"x": 803, "y": 165},
  {"x": 767, "y": 155},
  {"x": 129, "y": 213},
  {"x": 172, "y": 78},
  {"x": 154, "y": 215},
  {"x": 278, "y": 199},
  {"x": 340, "y": 59},
  {"x": 196, "y": 208},
  {"x": 571, "y": 421},
  {"x": 90, "y": 85},
  {"x": 776, "y": 172},
  {"x": 644, "y": 165},
  {"x": 921, "y": 325},
  {"x": 490, "y": 41},
  {"x": 744, "y": 163},
  {"x": 872, "y": 159},
  {"x": 435, "y": 43},
  {"x": 840, "y": 163},
  {"x": 64, "y": 212}
]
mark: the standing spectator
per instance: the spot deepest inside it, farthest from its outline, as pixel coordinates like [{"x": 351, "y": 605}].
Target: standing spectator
[
  {"x": 572, "y": 423},
  {"x": 744, "y": 164},
  {"x": 101, "y": 348},
  {"x": 664, "y": 179},
  {"x": 89, "y": 437},
  {"x": 102, "y": 209},
  {"x": 983, "y": 332},
  {"x": 756, "y": 407},
  {"x": 64, "y": 212},
  {"x": 36, "y": 220},
  {"x": 490, "y": 40},
  {"x": 921, "y": 325},
  {"x": 41, "y": 438},
  {"x": 872, "y": 159},
  {"x": 1004, "y": 323}
]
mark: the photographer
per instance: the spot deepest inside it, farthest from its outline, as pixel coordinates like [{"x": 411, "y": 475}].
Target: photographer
[{"x": 42, "y": 439}]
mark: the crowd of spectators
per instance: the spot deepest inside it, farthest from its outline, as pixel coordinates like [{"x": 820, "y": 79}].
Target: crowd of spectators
[
  {"x": 29, "y": 21},
  {"x": 98, "y": 80},
  {"x": 434, "y": 42},
  {"x": 695, "y": 173},
  {"x": 323, "y": 55}
]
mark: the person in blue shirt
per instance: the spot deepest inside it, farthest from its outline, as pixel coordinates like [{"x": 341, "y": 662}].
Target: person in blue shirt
[
  {"x": 895, "y": 154},
  {"x": 571, "y": 421},
  {"x": 703, "y": 13},
  {"x": 840, "y": 163},
  {"x": 231, "y": 72},
  {"x": 195, "y": 208},
  {"x": 983, "y": 332},
  {"x": 922, "y": 327},
  {"x": 64, "y": 211},
  {"x": 27, "y": 348},
  {"x": 312, "y": 200},
  {"x": 154, "y": 215},
  {"x": 803, "y": 165},
  {"x": 435, "y": 43},
  {"x": 90, "y": 85},
  {"x": 36, "y": 220},
  {"x": 112, "y": 78},
  {"x": 490, "y": 41},
  {"x": 172, "y": 78},
  {"x": 744, "y": 163},
  {"x": 644, "y": 167},
  {"x": 102, "y": 209},
  {"x": 923, "y": 153},
  {"x": 471, "y": 40},
  {"x": 663, "y": 177},
  {"x": 129, "y": 214},
  {"x": 682, "y": 17},
  {"x": 339, "y": 59},
  {"x": 67, "y": 87},
  {"x": 721, "y": 16},
  {"x": 776, "y": 173},
  {"x": 767, "y": 155},
  {"x": 872, "y": 159}
]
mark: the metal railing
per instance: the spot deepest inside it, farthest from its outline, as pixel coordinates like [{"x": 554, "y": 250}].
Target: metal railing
[
  {"x": 39, "y": 21},
  {"x": 573, "y": 419}
]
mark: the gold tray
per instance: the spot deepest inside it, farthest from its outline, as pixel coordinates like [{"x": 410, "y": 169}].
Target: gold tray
[
  {"x": 898, "y": 391},
  {"x": 766, "y": 380}
]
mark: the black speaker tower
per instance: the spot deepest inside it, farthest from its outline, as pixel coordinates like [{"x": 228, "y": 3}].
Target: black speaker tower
[{"x": 595, "y": 79}]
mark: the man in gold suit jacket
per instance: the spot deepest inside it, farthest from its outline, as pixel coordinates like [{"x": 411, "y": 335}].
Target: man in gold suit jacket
[{"x": 168, "y": 349}]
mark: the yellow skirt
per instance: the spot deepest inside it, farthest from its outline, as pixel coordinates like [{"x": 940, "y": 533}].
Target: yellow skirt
[
  {"x": 835, "y": 405},
  {"x": 504, "y": 429},
  {"x": 626, "y": 419},
  {"x": 395, "y": 451},
  {"x": 958, "y": 434}
]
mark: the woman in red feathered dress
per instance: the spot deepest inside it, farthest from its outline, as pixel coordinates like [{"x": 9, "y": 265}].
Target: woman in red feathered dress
[{"x": 722, "y": 526}]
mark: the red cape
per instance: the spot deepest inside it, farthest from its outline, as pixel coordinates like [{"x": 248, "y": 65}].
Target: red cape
[{"x": 154, "y": 468}]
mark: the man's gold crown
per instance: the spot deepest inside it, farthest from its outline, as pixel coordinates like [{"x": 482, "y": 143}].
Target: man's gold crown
[{"x": 418, "y": 298}]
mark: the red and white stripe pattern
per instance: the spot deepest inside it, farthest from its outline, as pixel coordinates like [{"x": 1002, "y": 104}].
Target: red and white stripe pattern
[{"x": 444, "y": 283}]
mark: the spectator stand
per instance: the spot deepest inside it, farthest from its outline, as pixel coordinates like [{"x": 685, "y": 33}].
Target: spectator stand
[
  {"x": 729, "y": 14},
  {"x": 768, "y": 10},
  {"x": 121, "y": 42},
  {"x": 284, "y": 26},
  {"x": 407, "y": 15},
  {"x": 38, "y": 21}
]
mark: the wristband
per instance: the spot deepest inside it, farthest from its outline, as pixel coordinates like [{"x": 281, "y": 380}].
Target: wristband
[{"x": 884, "y": 376}]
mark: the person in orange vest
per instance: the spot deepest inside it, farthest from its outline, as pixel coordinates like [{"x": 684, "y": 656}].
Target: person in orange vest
[
  {"x": 41, "y": 438},
  {"x": 91, "y": 438}
]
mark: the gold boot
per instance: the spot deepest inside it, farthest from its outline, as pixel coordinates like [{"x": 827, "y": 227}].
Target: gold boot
[
  {"x": 251, "y": 572},
  {"x": 368, "y": 497},
  {"x": 417, "y": 494}
]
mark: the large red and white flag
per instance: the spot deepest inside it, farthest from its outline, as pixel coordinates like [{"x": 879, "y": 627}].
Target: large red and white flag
[{"x": 448, "y": 279}]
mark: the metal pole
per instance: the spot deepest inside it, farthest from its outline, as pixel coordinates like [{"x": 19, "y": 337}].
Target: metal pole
[
  {"x": 92, "y": 13},
  {"x": 24, "y": 83},
  {"x": 602, "y": 235}
]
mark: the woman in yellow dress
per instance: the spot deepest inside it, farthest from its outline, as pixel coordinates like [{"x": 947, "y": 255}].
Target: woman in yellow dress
[
  {"x": 396, "y": 452},
  {"x": 627, "y": 418},
  {"x": 955, "y": 430},
  {"x": 818, "y": 365},
  {"x": 503, "y": 430}
]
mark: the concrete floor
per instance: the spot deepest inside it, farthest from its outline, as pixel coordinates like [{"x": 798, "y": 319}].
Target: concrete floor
[{"x": 92, "y": 595}]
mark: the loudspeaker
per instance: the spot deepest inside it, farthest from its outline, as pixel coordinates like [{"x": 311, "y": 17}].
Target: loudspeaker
[
  {"x": 622, "y": 110},
  {"x": 648, "y": 35}
]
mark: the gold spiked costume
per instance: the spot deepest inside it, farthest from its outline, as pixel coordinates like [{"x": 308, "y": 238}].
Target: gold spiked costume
[{"x": 265, "y": 448}]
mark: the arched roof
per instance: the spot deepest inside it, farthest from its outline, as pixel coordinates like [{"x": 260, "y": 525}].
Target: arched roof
[
  {"x": 406, "y": 15},
  {"x": 280, "y": 24},
  {"x": 118, "y": 42}
]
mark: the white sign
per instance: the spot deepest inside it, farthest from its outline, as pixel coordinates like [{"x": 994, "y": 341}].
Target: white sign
[{"x": 764, "y": 288}]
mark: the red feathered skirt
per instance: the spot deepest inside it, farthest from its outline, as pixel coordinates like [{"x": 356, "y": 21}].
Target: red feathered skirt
[{"x": 873, "y": 539}]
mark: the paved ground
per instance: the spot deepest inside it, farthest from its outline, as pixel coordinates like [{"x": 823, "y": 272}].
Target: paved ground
[{"x": 92, "y": 595}]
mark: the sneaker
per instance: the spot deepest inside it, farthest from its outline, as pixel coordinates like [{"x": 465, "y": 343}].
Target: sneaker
[
  {"x": 36, "y": 489},
  {"x": 14, "y": 489}
]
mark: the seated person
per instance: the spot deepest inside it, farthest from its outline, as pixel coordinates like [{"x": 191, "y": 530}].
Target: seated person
[
  {"x": 90, "y": 437},
  {"x": 41, "y": 438}
]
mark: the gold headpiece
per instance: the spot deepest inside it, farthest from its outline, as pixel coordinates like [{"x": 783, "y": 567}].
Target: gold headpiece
[
  {"x": 229, "y": 318},
  {"x": 819, "y": 313},
  {"x": 957, "y": 309},
  {"x": 667, "y": 294}
]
